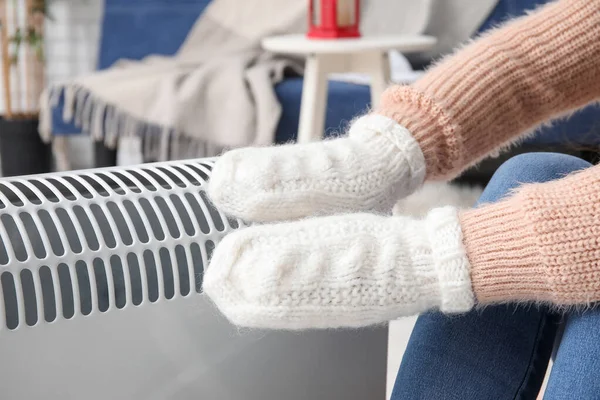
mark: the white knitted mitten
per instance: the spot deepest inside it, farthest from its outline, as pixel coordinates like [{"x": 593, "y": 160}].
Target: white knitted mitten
[
  {"x": 341, "y": 271},
  {"x": 378, "y": 163}
]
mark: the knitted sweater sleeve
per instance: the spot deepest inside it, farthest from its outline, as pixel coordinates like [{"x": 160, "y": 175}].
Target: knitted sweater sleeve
[
  {"x": 541, "y": 244},
  {"x": 501, "y": 86}
]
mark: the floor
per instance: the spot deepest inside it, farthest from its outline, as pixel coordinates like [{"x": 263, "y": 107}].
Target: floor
[{"x": 398, "y": 338}]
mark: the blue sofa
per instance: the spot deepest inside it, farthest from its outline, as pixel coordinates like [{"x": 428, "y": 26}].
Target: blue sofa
[{"x": 136, "y": 28}]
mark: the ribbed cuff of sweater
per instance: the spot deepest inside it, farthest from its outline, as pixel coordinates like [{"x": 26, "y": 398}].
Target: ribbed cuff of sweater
[
  {"x": 431, "y": 127},
  {"x": 505, "y": 261},
  {"x": 450, "y": 260}
]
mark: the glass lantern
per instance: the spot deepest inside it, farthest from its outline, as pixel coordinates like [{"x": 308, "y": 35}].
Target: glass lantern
[{"x": 333, "y": 19}]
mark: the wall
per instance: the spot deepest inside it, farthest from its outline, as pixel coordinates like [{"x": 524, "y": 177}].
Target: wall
[
  {"x": 72, "y": 38},
  {"x": 72, "y": 41}
]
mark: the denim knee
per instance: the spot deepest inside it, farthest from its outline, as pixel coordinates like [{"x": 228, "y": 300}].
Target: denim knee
[
  {"x": 540, "y": 167},
  {"x": 530, "y": 168}
]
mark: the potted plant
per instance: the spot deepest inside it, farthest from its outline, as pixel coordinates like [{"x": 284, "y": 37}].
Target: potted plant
[{"x": 22, "y": 49}]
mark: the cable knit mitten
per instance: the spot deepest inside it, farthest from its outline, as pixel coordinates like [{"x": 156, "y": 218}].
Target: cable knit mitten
[
  {"x": 341, "y": 271},
  {"x": 369, "y": 170}
]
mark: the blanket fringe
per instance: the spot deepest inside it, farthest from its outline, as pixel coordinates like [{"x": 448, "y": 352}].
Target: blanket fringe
[{"x": 105, "y": 122}]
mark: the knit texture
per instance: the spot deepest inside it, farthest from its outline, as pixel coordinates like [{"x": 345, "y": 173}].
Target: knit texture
[
  {"x": 502, "y": 85},
  {"x": 370, "y": 169},
  {"x": 340, "y": 271},
  {"x": 542, "y": 244}
]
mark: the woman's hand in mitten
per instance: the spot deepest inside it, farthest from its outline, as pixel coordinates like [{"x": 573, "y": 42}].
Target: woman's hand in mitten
[
  {"x": 340, "y": 271},
  {"x": 369, "y": 170}
]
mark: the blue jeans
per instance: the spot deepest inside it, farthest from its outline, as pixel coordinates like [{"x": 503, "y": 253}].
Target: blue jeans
[{"x": 502, "y": 352}]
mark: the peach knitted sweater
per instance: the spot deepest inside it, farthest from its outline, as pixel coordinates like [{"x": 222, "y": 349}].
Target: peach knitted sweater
[{"x": 543, "y": 243}]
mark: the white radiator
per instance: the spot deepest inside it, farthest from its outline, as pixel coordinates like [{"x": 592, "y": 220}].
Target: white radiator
[{"x": 100, "y": 298}]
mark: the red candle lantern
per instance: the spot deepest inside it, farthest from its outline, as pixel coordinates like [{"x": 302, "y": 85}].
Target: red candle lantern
[{"x": 332, "y": 19}]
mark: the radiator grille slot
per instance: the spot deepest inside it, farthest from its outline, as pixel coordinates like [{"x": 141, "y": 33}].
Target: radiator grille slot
[
  {"x": 69, "y": 228},
  {"x": 182, "y": 271},
  {"x": 74, "y": 245},
  {"x": 10, "y": 195},
  {"x": 33, "y": 234},
  {"x": 16, "y": 240},
  {"x": 10, "y": 300},
  {"x": 62, "y": 189},
  {"x": 136, "y": 280},
  {"x": 48, "y": 293},
  {"x": 118, "y": 276},
  {"x": 119, "y": 219},
  {"x": 198, "y": 263},
  {"x": 67, "y": 300}
]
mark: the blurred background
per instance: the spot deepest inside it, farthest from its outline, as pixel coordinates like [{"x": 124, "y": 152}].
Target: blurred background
[{"x": 97, "y": 83}]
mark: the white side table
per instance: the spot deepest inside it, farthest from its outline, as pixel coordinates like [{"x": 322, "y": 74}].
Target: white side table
[{"x": 367, "y": 55}]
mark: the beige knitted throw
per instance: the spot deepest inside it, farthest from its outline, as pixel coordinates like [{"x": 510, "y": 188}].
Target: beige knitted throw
[{"x": 215, "y": 93}]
